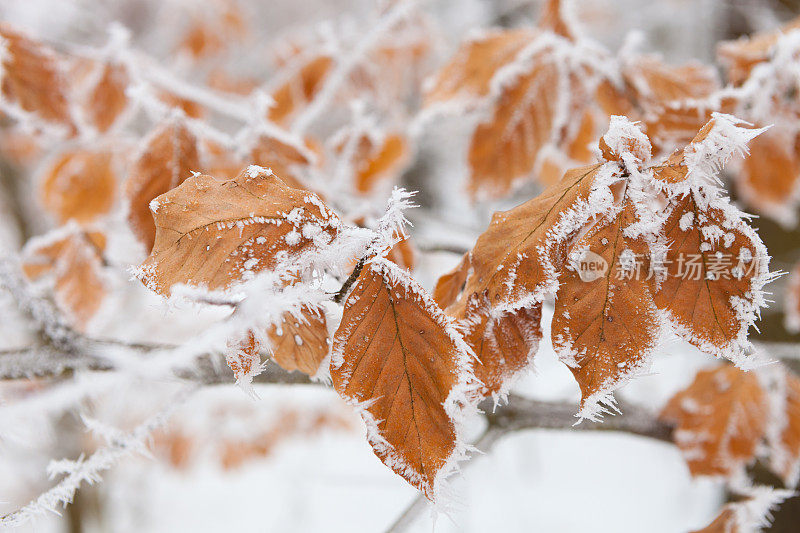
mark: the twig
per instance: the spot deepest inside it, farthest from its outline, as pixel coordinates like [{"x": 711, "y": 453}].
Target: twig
[{"x": 340, "y": 296}]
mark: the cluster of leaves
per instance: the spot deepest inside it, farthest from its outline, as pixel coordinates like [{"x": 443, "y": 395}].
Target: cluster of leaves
[{"x": 216, "y": 212}]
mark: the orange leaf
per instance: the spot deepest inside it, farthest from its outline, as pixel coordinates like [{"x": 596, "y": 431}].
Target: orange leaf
[
  {"x": 244, "y": 359},
  {"x": 399, "y": 358},
  {"x": 285, "y": 159},
  {"x": 300, "y": 344},
  {"x": 79, "y": 185},
  {"x": 467, "y": 76},
  {"x": 605, "y": 324},
  {"x": 741, "y": 55},
  {"x": 106, "y": 100},
  {"x": 403, "y": 254},
  {"x": 721, "y": 417},
  {"x": 552, "y": 19},
  {"x": 784, "y": 447},
  {"x": 299, "y": 88},
  {"x": 168, "y": 158},
  {"x": 378, "y": 162},
  {"x": 215, "y": 233},
  {"x": 450, "y": 285},
  {"x": 769, "y": 179},
  {"x": 33, "y": 78},
  {"x": 519, "y": 254},
  {"x": 504, "y": 345},
  {"x": 74, "y": 259}
]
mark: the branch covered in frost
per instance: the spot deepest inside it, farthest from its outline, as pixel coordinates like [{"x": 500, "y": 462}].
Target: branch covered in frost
[{"x": 88, "y": 470}]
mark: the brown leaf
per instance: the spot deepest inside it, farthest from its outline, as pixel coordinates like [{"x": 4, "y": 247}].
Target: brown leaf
[
  {"x": 552, "y": 19},
  {"x": 33, "y": 78},
  {"x": 450, "y": 285},
  {"x": 300, "y": 344},
  {"x": 398, "y": 356},
  {"x": 605, "y": 324},
  {"x": 741, "y": 55},
  {"x": 769, "y": 179},
  {"x": 79, "y": 185},
  {"x": 784, "y": 451},
  {"x": 106, "y": 100},
  {"x": 284, "y": 158},
  {"x": 504, "y": 345},
  {"x": 74, "y": 259},
  {"x": 467, "y": 76},
  {"x": 244, "y": 359},
  {"x": 725, "y": 522},
  {"x": 500, "y": 265},
  {"x": 168, "y": 158},
  {"x": 721, "y": 417},
  {"x": 403, "y": 254},
  {"x": 710, "y": 272},
  {"x": 299, "y": 88},
  {"x": 214, "y": 233},
  {"x": 375, "y": 163},
  {"x": 189, "y": 107}
]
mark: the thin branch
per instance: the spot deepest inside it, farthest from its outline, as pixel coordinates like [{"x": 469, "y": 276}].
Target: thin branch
[{"x": 340, "y": 296}]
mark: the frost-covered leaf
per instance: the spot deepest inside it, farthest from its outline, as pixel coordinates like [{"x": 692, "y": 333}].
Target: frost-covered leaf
[
  {"x": 168, "y": 157},
  {"x": 33, "y": 78},
  {"x": 214, "y": 233},
  {"x": 504, "y": 343},
  {"x": 376, "y": 160},
  {"x": 244, "y": 359},
  {"x": 282, "y": 154},
  {"x": 721, "y": 417},
  {"x": 769, "y": 179},
  {"x": 605, "y": 324},
  {"x": 79, "y": 185},
  {"x": 519, "y": 255},
  {"x": 72, "y": 259},
  {"x": 467, "y": 76},
  {"x": 716, "y": 265},
  {"x": 104, "y": 98},
  {"x": 783, "y": 435},
  {"x": 403, "y": 254},
  {"x": 740, "y": 56},
  {"x": 401, "y": 361},
  {"x": 750, "y": 514},
  {"x": 300, "y": 343},
  {"x": 299, "y": 87},
  {"x": 672, "y": 98}
]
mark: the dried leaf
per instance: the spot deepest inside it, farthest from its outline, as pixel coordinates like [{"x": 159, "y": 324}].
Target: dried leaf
[
  {"x": 74, "y": 260},
  {"x": 168, "y": 158},
  {"x": 741, "y": 55},
  {"x": 784, "y": 445},
  {"x": 299, "y": 88},
  {"x": 468, "y": 75},
  {"x": 552, "y": 19},
  {"x": 450, "y": 285},
  {"x": 79, "y": 185},
  {"x": 376, "y": 163},
  {"x": 520, "y": 253},
  {"x": 721, "y": 417},
  {"x": 769, "y": 179},
  {"x": 398, "y": 357},
  {"x": 605, "y": 325},
  {"x": 504, "y": 345},
  {"x": 244, "y": 359},
  {"x": 286, "y": 159},
  {"x": 214, "y": 233},
  {"x": 105, "y": 100},
  {"x": 300, "y": 344},
  {"x": 750, "y": 514},
  {"x": 33, "y": 78},
  {"x": 403, "y": 254}
]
